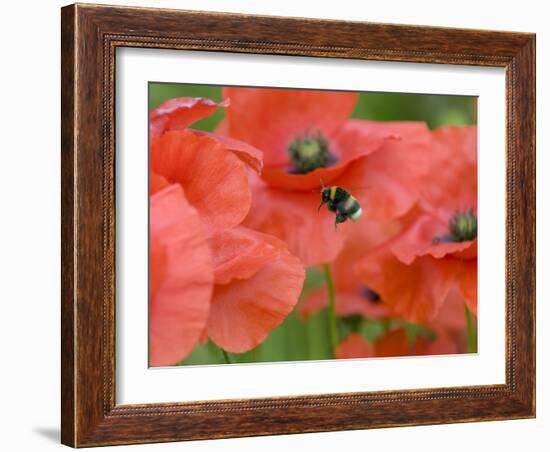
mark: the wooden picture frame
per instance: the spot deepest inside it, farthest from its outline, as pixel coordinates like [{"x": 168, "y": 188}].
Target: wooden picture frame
[{"x": 90, "y": 36}]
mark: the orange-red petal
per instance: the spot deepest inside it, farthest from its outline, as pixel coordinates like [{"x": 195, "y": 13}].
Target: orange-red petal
[
  {"x": 443, "y": 345},
  {"x": 353, "y": 141},
  {"x": 452, "y": 182},
  {"x": 157, "y": 265},
  {"x": 417, "y": 291},
  {"x": 247, "y": 153},
  {"x": 157, "y": 183},
  {"x": 293, "y": 217},
  {"x": 215, "y": 180},
  {"x": 240, "y": 252},
  {"x": 180, "y": 113},
  {"x": 388, "y": 182},
  {"x": 394, "y": 343},
  {"x": 281, "y": 178},
  {"x": 245, "y": 311},
  {"x": 354, "y": 346},
  {"x": 270, "y": 118},
  {"x": 451, "y": 318},
  {"x": 181, "y": 278},
  {"x": 426, "y": 236}
]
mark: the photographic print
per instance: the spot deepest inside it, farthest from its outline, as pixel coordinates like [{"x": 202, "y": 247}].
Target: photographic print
[
  {"x": 295, "y": 224},
  {"x": 296, "y": 216}
]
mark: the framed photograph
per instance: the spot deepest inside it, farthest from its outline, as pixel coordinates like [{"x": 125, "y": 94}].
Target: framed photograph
[{"x": 282, "y": 225}]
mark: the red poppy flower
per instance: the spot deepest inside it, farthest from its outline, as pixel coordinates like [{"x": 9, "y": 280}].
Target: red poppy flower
[
  {"x": 307, "y": 139},
  {"x": 253, "y": 281},
  {"x": 420, "y": 290},
  {"x": 282, "y": 114},
  {"x": 414, "y": 291},
  {"x": 448, "y": 196},
  {"x": 448, "y": 226},
  {"x": 437, "y": 250}
]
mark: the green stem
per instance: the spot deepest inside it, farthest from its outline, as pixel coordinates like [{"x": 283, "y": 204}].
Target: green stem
[
  {"x": 254, "y": 355},
  {"x": 225, "y": 356},
  {"x": 471, "y": 330},
  {"x": 385, "y": 325},
  {"x": 332, "y": 320}
]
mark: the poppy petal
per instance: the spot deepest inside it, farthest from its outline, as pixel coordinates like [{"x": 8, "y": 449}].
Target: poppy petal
[
  {"x": 365, "y": 130},
  {"x": 270, "y": 119},
  {"x": 394, "y": 343},
  {"x": 180, "y": 113},
  {"x": 352, "y": 142},
  {"x": 468, "y": 253},
  {"x": 415, "y": 292},
  {"x": 443, "y": 345},
  {"x": 247, "y": 153},
  {"x": 388, "y": 182},
  {"x": 451, "y": 318},
  {"x": 239, "y": 253},
  {"x": 181, "y": 277},
  {"x": 293, "y": 216},
  {"x": 244, "y": 311},
  {"x": 215, "y": 180},
  {"x": 355, "y": 139},
  {"x": 354, "y": 346},
  {"x": 222, "y": 128},
  {"x": 421, "y": 239},
  {"x": 452, "y": 185},
  {"x": 281, "y": 178},
  {"x": 157, "y": 183},
  {"x": 157, "y": 265}
]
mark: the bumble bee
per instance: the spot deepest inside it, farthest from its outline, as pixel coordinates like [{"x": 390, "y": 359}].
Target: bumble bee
[{"x": 341, "y": 202}]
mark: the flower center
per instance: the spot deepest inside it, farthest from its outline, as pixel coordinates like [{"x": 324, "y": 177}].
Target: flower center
[
  {"x": 462, "y": 228},
  {"x": 309, "y": 152}
]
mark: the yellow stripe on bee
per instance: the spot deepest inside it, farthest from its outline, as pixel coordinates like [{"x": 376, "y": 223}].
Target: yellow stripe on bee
[{"x": 333, "y": 192}]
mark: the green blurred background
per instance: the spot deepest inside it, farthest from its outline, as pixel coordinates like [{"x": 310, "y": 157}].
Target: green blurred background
[{"x": 296, "y": 339}]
